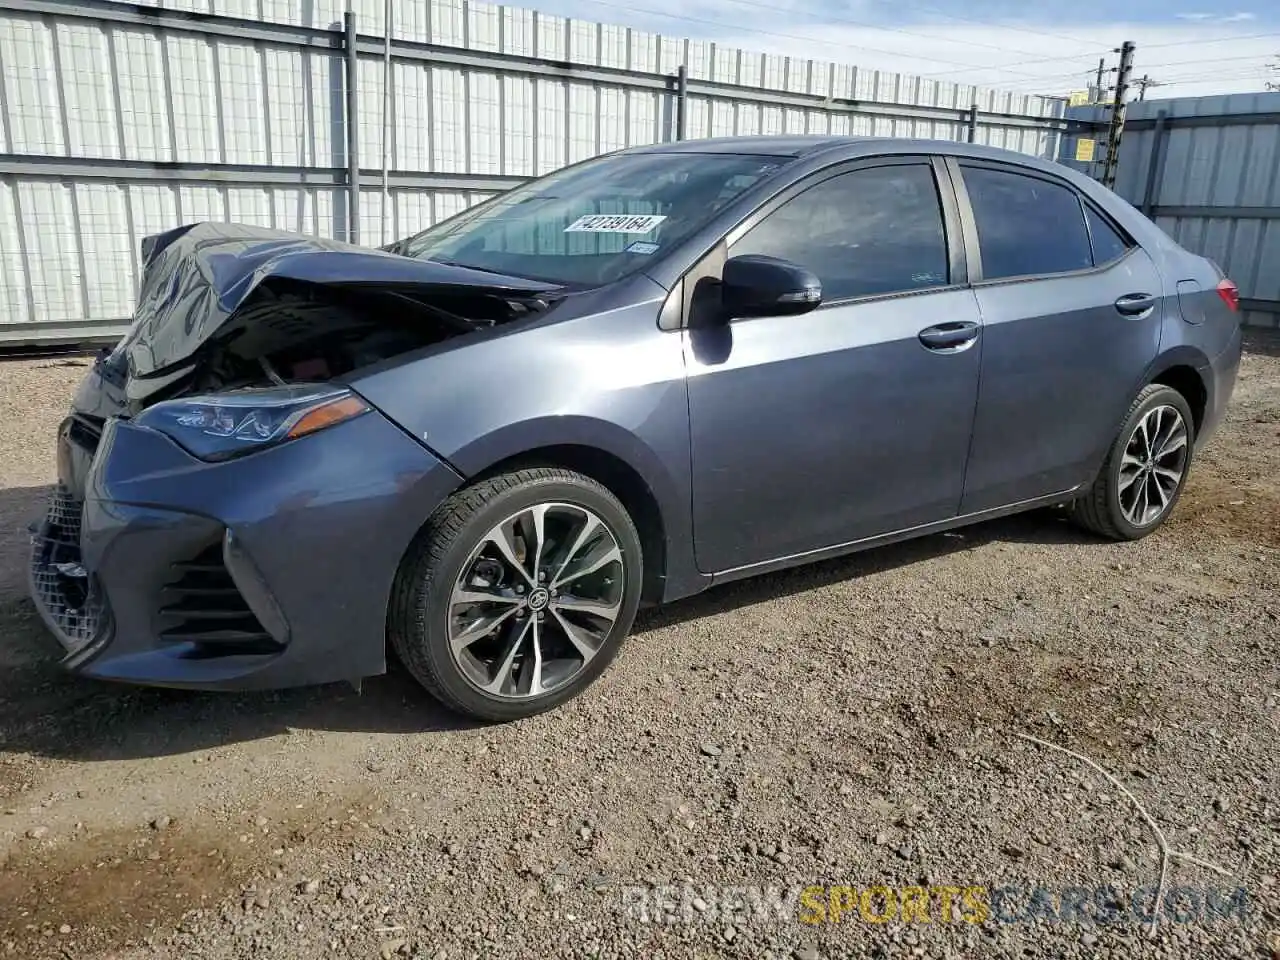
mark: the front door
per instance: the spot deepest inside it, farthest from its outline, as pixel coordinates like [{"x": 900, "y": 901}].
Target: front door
[
  {"x": 1071, "y": 313},
  {"x": 853, "y": 420}
]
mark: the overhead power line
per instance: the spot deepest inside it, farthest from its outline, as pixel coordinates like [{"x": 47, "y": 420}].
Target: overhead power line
[
  {"x": 1190, "y": 80},
  {"x": 1200, "y": 41},
  {"x": 792, "y": 36},
  {"x": 1234, "y": 74},
  {"x": 1179, "y": 63},
  {"x": 899, "y": 5},
  {"x": 1027, "y": 63},
  {"x": 828, "y": 18}
]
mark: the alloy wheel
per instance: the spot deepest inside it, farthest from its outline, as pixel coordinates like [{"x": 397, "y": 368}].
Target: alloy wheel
[
  {"x": 536, "y": 600},
  {"x": 1153, "y": 465}
]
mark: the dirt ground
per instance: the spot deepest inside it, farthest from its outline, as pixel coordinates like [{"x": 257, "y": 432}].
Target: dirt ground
[{"x": 840, "y": 727}]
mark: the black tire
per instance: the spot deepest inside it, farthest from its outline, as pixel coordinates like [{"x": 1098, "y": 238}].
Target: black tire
[
  {"x": 418, "y": 621},
  {"x": 1099, "y": 510}
]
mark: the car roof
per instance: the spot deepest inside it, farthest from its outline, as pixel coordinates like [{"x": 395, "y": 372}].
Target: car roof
[
  {"x": 818, "y": 151},
  {"x": 842, "y": 148}
]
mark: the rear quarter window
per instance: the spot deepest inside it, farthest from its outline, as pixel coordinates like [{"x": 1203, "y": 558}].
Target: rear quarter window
[
  {"x": 1027, "y": 226},
  {"x": 1108, "y": 243}
]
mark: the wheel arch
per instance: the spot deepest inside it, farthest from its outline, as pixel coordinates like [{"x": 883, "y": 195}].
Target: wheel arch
[
  {"x": 623, "y": 481},
  {"x": 656, "y": 497},
  {"x": 1186, "y": 370}
]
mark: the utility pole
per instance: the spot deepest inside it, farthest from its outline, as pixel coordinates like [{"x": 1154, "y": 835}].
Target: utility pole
[
  {"x": 1116, "y": 127},
  {"x": 1142, "y": 83},
  {"x": 1097, "y": 87}
]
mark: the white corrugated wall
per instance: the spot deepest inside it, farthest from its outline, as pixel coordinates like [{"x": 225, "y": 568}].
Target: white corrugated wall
[{"x": 95, "y": 83}]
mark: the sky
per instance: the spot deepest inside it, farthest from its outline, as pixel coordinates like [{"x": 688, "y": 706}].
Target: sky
[{"x": 1191, "y": 48}]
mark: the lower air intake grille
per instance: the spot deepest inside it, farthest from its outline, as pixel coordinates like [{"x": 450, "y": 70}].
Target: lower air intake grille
[
  {"x": 69, "y": 596},
  {"x": 206, "y": 609}
]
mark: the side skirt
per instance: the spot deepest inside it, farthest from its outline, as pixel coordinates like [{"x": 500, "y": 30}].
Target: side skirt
[{"x": 866, "y": 543}]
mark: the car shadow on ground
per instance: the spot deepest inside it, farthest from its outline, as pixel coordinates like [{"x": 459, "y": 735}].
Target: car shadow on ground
[{"x": 47, "y": 712}]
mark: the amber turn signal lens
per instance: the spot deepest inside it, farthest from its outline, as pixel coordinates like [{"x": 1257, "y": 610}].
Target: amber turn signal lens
[{"x": 326, "y": 415}]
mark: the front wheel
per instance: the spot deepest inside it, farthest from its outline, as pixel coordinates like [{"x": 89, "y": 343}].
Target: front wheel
[
  {"x": 518, "y": 593},
  {"x": 1145, "y": 469}
]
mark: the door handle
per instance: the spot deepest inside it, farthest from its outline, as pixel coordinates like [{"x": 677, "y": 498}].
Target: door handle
[
  {"x": 950, "y": 337},
  {"x": 1133, "y": 304}
]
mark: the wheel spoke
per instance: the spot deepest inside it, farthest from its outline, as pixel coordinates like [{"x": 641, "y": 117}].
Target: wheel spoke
[
  {"x": 501, "y": 539},
  {"x": 1177, "y": 440},
  {"x": 465, "y": 595},
  {"x": 503, "y": 672},
  {"x": 534, "y": 529},
  {"x": 1139, "y": 511},
  {"x": 610, "y": 555},
  {"x": 1162, "y": 498},
  {"x": 600, "y": 608},
  {"x": 1127, "y": 481},
  {"x": 589, "y": 526},
  {"x": 533, "y": 668},
  {"x": 1173, "y": 476},
  {"x": 480, "y": 627},
  {"x": 1144, "y": 437},
  {"x": 576, "y": 636}
]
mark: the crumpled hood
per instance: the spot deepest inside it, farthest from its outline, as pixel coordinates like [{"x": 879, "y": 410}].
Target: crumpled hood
[{"x": 195, "y": 278}]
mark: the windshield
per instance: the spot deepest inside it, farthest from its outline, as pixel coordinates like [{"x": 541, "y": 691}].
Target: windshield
[{"x": 594, "y": 222}]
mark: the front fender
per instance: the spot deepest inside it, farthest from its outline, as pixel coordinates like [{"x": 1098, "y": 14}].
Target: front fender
[
  {"x": 609, "y": 381},
  {"x": 528, "y": 436}
]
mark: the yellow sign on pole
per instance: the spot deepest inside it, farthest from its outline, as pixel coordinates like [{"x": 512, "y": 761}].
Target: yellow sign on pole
[
  {"x": 1084, "y": 150},
  {"x": 1077, "y": 98}
]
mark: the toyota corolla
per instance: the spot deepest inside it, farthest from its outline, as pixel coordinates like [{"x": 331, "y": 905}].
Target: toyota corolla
[{"x": 485, "y": 446}]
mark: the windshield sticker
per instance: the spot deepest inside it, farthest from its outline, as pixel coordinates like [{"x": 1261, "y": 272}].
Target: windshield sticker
[
  {"x": 642, "y": 246},
  {"x": 614, "y": 223}
]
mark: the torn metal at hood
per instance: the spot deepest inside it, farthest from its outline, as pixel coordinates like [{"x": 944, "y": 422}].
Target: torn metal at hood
[{"x": 257, "y": 292}]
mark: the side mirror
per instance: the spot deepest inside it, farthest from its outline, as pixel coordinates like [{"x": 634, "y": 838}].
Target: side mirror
[{"x": 754, "y": 285}]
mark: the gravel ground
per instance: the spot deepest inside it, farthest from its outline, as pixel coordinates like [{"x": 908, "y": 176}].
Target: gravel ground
[{"x": 852, "y": 724}]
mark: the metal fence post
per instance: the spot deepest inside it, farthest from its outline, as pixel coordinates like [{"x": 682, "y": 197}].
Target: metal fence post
[
  {"x": 353, "y": 130},
  {"x": 973, "y": 124},
  {"x": 386, "y": 123},
  {"x": 1154, "y": 163},
  {"x": 682, "y": 100}
]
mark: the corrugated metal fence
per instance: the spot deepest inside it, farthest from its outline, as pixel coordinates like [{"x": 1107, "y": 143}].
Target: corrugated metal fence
[
  {"x": 121, "y": 120},
  {"x": 1207, "y": 169}
]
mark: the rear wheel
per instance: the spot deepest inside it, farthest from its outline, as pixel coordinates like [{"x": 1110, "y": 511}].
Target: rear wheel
[
  {"x": 518, "y": 593},
  {"x": 1145, "y": 470}
]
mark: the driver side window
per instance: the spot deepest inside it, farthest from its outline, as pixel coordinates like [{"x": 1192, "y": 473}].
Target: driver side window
[{"x": 873, "y": 231}]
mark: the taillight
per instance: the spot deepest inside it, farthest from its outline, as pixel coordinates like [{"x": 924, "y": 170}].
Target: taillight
[{"x": 1230, "y": 294}]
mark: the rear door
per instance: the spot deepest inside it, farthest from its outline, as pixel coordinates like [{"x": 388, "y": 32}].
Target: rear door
[
  {"x": 853, "y": 420},
  {"x": 1071, "y": 311}
]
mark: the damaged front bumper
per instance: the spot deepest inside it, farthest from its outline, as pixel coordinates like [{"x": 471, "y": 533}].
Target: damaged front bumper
[{"x": 269, "y": 570}]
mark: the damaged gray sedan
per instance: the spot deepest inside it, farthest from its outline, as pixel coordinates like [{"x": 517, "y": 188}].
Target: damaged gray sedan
[{"x": 484, "y": 447}]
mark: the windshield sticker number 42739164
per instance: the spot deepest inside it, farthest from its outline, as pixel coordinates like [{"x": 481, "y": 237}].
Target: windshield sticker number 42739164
[{"x": 614, "y": 223}]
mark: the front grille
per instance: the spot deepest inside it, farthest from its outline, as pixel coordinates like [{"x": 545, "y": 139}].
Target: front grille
[
  {"x": 69, "y": 596},
  {"x": 207, "y": 609}
]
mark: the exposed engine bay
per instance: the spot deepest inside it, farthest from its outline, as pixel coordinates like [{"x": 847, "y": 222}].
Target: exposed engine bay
[
  {"x": 292, "y": 331},
  {"x": 226, "y": 307}
]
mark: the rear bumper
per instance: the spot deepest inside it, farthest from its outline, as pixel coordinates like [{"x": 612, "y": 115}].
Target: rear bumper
[
  {"x": 1221, "y": 381},
  {"x": 271, "y": 570}
]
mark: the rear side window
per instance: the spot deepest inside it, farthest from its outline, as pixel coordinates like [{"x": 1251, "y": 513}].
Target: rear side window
[
  {"x": 867, "y": 232},
  {"x": 1108, "y": 244},
  {"x": 1026, "y": 226}
]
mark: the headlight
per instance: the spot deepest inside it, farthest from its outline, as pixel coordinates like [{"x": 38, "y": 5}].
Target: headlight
[{"x": 225, "y": 425}]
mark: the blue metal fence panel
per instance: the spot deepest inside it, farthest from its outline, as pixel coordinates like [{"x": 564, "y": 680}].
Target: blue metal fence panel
[{"x": 1207, "y": 169}]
